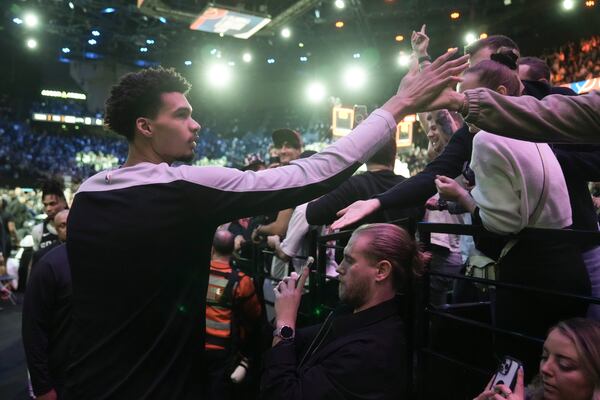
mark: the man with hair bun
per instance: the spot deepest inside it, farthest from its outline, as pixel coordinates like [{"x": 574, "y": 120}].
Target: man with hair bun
[{"x": 359, "y": 351}]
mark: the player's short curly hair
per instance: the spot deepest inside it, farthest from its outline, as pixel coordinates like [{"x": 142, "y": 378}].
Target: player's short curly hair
[
  {"x": 138, "y": 95},
  {"x": 53, "y": 186}
]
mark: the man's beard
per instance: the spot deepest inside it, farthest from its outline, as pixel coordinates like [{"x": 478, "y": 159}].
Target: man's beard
[{"x": 354, "y": 296}]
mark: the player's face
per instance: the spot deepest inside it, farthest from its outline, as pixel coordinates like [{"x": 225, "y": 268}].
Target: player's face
[{"x": 174, "y": 131}]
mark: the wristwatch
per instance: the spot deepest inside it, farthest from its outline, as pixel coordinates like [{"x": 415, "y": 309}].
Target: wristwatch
[{"x": 285, "y": 333}]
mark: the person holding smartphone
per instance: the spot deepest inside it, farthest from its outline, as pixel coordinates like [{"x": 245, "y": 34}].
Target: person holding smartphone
[
  {"x": 569, "y": 367},
  {"x": 329, "y": 361}
]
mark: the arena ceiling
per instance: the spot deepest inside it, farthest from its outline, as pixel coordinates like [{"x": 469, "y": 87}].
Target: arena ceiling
[{"x": 368, "y": 24}]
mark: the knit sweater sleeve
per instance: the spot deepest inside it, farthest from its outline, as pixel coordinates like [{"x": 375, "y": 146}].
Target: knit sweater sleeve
[{"x": 555, "y": 118}]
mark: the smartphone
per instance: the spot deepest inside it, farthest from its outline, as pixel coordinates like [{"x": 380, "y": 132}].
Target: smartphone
[
  {"x": 307, "y": 264},
  {"x": 506, "y": 374}
]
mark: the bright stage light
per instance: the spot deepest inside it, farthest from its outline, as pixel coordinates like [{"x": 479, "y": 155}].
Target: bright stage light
[
  {"x": 403, "y": 59},
  {"x": 108, "y": 10},
  {"x": 162, "y": 20},
  {"x": 568, "y": 4},
  {"x": 340, "y": 4},
  {"x": 315, "y": 92},
  {"x": 455, "y": 15},
  {"x": 95, "y": 33},
  {"x": 71, "y": 5},
  {"x": 31, "y": 20},
  {"x": 399, "y": 38},
  {"x": 92, "y": 41},
  {"x": 300, "y": 44},
  {"x": 143, "y": 49},
  {"x": 470, "y": 38},
  {"x": 339, "y": 24},
  {"x": 149, "y": 41},
  {"x": 270, "y": 61},
  {"x": 247, "y": 57},
  {"x": 17, "y": 20},
  {"x": 483, "y": 36},
  {"x": 66, "y": 50},
  {"x": 354, "y": 77},
  {"x": 219, "y": 75},
  {"x": 356, "y": 55},
  {"x": 303, "y": 59},
  {"x": 32, "y": 43},
  {"x": 286, "y": 33},
  {"x": 187, "y": 63}
]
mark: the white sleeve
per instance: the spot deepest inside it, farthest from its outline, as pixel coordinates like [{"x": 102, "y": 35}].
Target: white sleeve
[
  {"x": 297, "y": 230},
  {"x": 498, "y": 199}
]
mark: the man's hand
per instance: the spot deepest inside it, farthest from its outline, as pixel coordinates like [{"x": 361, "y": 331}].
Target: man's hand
[
  {"x": 355, "y": 212},
  {"x": 51, "y": 395},
  {"x": 418, "y": 90},
  {"x": 287, "y": 298},
  {"x": 419, "y": 42}
]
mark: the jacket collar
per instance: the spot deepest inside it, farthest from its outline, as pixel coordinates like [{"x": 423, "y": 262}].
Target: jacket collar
[{"x": 346, "y": 321}]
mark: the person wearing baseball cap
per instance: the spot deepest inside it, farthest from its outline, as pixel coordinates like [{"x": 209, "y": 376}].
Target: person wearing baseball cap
[{"x": 289, "y": 143}]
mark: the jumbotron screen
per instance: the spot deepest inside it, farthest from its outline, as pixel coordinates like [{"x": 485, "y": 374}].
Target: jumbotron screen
[{"x": 228, "y": 22}]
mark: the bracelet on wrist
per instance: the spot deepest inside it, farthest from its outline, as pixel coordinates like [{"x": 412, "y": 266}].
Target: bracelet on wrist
[{"x": 424, "y": 58}]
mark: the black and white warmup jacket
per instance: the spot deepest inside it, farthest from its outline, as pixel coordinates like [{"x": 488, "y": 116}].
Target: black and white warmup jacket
[{"x": 139, "y": 247}]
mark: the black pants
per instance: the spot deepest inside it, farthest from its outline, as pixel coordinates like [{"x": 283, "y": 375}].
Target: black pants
[{"x": 217, "y": 384}]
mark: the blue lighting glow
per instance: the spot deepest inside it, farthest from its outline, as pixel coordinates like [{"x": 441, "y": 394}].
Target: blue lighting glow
[
  {"x": 95, "y": 33},
  {"x": 144, "y": 63},
  {"x": 92, "y": 41},
  {"x": 17, "y": 20},
  {"x": 187, "y": 63},
  {"x": 143, "y": 49},
  {"x": 64, "y": 60},
  {"x": 149, "y": 41},
  {"x": 108, "y": 10},
  {"x": 163, "y": 20},
  {"x": 66, "y": 50},
  {"x": 91, "y": 56}
]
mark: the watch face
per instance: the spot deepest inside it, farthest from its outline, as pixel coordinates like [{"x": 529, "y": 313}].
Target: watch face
[{"x": 286, "y": 332}]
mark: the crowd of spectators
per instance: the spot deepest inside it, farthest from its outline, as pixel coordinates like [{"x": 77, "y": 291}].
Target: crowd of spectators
[
  {"x": 574, "y": 62},
  {"x": 496, "y": 183}
]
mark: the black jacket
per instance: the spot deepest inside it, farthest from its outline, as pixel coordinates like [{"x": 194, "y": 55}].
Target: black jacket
[
  {"x": 46, "y": 321},
  {"x": 359, "y": 187},
  {"x": 361, "y": 356}
]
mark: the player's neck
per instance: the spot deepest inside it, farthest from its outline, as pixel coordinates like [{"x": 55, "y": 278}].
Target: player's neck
[{"x": 139, "y": 153}]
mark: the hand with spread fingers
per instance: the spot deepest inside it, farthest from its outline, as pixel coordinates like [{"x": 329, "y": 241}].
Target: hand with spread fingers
[
  {"x": 503, "y": 392},
  {"x": 418, "y": 89},
  {"x": 355, "y": 212}
]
